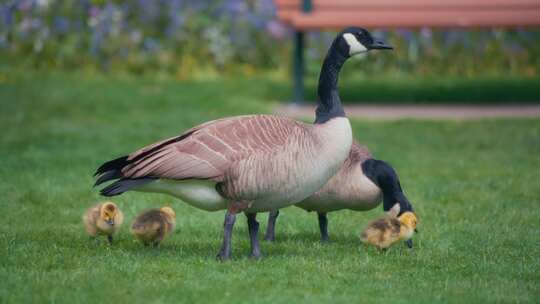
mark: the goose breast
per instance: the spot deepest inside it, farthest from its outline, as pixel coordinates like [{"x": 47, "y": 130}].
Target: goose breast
[{"x": 350, "y": 188}]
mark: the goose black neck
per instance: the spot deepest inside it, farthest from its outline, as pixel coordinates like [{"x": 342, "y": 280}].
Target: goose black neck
[
  {"x": 385, "y": 177},
  {"x": 329, "y": 103}
]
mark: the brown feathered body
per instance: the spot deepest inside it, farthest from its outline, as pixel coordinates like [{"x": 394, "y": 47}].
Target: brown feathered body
[
  {"x": 103, "y": 219},
  {"x": 349, "y": 188},
  {"x": 266, "y": 161},
  {"x": 384, "y": 232},
  {"x": 154, "y": 225}
]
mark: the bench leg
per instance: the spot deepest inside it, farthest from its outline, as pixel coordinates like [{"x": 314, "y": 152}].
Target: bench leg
[{"x": 298, "y": 67}]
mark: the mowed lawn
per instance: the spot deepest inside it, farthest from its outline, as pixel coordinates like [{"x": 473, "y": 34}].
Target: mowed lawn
[{"x": 475, "y": 186}]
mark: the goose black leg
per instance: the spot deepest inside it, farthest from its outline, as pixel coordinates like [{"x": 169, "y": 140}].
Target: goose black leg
[
  {"x": 253, "y": 227},
  {"x": 110, "y": 239},
  {"x": 225, "y": 252},
  {"x": 270, "y": 229},
  {"x": 323, "y": 226}
]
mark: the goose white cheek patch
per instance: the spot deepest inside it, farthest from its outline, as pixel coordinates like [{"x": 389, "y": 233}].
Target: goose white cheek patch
[
  {"x": 394, "y": 211},
  {"x": 355, "y": 46}
]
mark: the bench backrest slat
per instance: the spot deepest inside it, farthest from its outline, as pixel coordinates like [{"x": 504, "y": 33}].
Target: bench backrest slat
[
  {"x": 417, "y": 19},
  {"x": 400, "y": 4},
  {"x": 410, "y": 13}
]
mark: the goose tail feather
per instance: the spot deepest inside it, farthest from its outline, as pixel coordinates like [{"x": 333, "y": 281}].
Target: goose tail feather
[
  {"x": 125, "y": 184},
  {"x": 112, "y": 171},
  {"x": 113, "y": 165}
]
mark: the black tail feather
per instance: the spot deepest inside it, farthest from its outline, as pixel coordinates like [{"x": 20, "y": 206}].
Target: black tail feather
[
  {"x": 112, "y": 165},
  {"x": 107, "y": 176},
  {"x": 110, "y": 170},
  {"x": 122, "y": 185}
]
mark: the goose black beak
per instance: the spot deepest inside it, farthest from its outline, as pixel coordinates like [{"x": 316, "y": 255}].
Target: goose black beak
[
  {"x": 380, "y": 45},
  {"x": 409, "y": 243}
]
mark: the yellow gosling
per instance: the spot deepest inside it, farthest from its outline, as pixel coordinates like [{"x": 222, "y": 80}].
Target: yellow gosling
[
  {"x": 385, "y": 232},
  {"x": 154, "y": 225},
  {"x": 103, "y": 219}
]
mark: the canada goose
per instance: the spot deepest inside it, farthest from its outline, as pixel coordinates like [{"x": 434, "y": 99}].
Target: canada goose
[
  {"x": 152, "y": 226},
  {"x": 103, "y": 219},
  {"x": 252, "y": 163},
  {"x": 384, "y": 232},
  {"x": 359, "y": 185}
]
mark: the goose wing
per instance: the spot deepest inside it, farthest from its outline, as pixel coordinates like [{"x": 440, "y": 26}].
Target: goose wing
[
  {"x": 358, "y": 154},
  {"x": 205, "y": 151}
]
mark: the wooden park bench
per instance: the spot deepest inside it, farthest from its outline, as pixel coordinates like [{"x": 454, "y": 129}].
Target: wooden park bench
[{"x": 306, "y": 15}]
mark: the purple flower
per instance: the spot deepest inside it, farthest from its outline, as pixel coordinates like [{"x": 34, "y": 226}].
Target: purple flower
[
  {"x": 25, "y": 5},
  {"x": 276, "y": 29},
  {"x": 94, "y": 11},
  {"x": 7, "y": 14},
  {"x": 235, "y": 6},
  {"x": 61, "y": 24}
]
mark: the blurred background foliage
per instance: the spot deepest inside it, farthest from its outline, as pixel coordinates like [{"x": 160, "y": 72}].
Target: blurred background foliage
[{"x": 210, "y": 38}]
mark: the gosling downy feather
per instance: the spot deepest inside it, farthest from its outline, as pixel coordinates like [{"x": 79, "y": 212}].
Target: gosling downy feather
[
  {"x": 252, "y": 163},
  {"x": 103, "y": 219},
  {"x": 384, "y": 232},
  {"x": 152, "y": 226}
]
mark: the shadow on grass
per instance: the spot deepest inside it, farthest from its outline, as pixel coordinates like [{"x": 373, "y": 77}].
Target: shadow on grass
[{"x": 285, "y": 245}]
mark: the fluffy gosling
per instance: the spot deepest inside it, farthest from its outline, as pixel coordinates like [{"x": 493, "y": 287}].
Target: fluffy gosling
[
  {"x": 103, "y": 219},
  {"x": 386, "y": 231},
  {"x": 153, "y": 225}
]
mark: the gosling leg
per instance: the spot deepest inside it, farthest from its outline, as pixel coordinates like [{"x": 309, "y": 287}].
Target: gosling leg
[
  {"x": 225, "y": 251},
  {"x": 253, "y": 227},
  {"x": 323, "y": 226},
  {"x": 110, "y": 239},
  {"x": 270, "y": 229},
  {"x": 95, "y": 240},
  {"x": 409, "y": 243}
]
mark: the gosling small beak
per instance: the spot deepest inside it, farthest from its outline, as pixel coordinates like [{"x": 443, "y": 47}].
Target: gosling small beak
[
  {"x": 380, "y": 45},
  {"x": 110, "y": 222},
  {"x": 409, "y": 243}
]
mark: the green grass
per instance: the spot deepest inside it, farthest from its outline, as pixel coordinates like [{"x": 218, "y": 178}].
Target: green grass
[{"x": 474, "y": 184}]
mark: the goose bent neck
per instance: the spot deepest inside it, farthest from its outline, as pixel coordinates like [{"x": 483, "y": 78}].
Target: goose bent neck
[{"x": 329, "y": 104}]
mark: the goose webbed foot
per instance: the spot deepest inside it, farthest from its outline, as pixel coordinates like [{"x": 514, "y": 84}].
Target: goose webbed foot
[
  {"x": 270, "y": 235},
  {"x": 223, "y": 255},
  {"x": 323, "y": 227},
  {"x": 253, "y": 227},
  {"x": 225, "y": 251}
]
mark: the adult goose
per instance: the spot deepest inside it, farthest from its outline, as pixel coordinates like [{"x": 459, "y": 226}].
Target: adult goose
[
  {"x": 252, "y": 163},
  {"x": 361, "y": 184}
]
